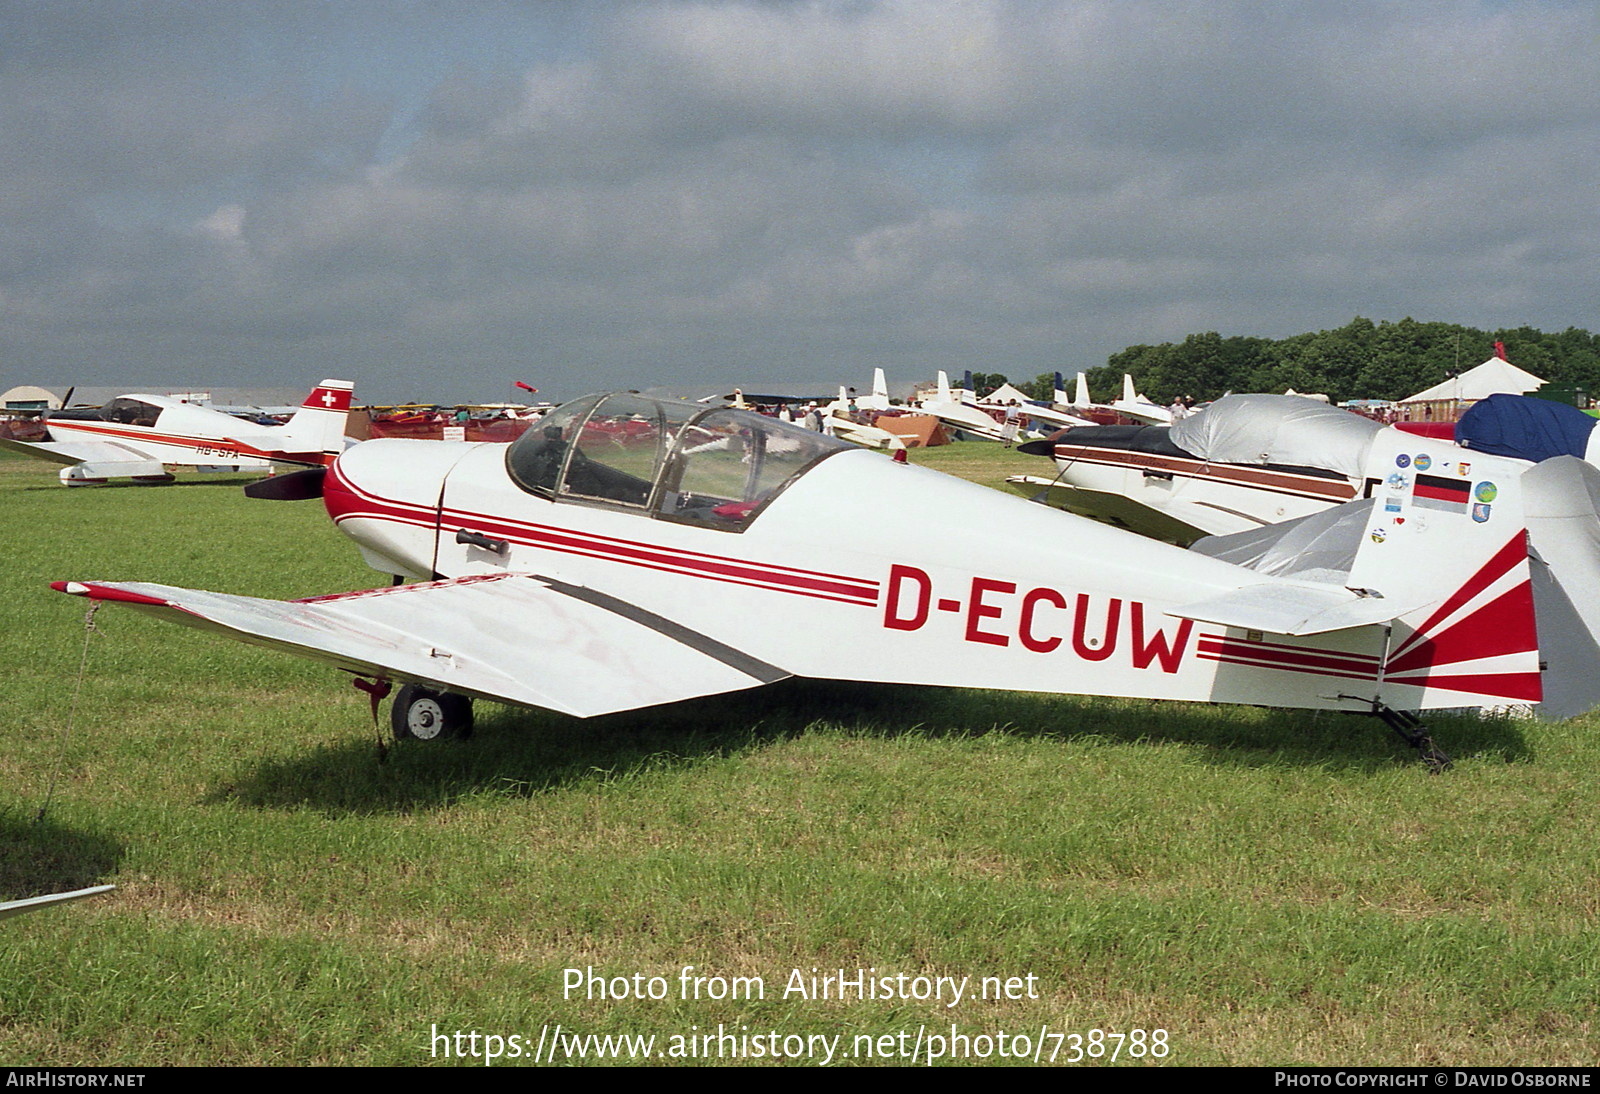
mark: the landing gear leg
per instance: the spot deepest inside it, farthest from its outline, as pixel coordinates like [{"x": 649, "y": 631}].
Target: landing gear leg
[{"x": 1415, "y": 734}]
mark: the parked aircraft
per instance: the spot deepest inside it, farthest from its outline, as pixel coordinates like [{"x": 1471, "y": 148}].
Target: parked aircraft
[
  {"x": 141, "y": 436},
  {"x": 956, "y": 407},
  {"x": 583, "y": 572},
  {"x": 1247, "y": 461},
  {"x": 1244, "y": 462},
  {"x": 1131, "y": 405}
]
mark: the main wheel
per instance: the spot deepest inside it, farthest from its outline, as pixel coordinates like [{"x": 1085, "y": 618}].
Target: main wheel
[{"x": 422, "y": 714}]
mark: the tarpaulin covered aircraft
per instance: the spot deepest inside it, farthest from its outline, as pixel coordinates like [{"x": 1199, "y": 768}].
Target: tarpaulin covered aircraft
[
  {"x": 141, "y": 436},
  {"x": 1247, "y": 461},
  {"x": 1244, "y": 462},
  {"x": 586, "y": 570}
]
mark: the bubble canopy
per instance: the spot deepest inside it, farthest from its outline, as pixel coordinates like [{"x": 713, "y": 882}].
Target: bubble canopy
[{"x": 711, "y": 466}]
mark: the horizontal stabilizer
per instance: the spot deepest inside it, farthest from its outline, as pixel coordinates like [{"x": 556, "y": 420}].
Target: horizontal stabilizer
[
  {"x": 1298, "y": 608},
  {"x": 1315, "y": 553},
  {"x": 512, "y": 637}
]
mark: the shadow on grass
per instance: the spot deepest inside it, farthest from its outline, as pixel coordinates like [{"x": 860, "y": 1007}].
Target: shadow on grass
[
  {"x": 521, "y": 753},
  {"x": 234, "y": 479},
  {"x": 46, "y": 857}
]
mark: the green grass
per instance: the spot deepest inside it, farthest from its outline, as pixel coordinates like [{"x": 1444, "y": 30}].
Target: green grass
[{"x": 1267, "y": 887}]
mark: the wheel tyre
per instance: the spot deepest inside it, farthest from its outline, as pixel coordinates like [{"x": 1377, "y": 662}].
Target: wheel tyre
[{"x": 422, "y": 714}]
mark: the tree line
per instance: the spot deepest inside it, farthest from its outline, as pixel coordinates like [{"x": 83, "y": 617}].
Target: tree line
[{"x": 1360, "y": 360}]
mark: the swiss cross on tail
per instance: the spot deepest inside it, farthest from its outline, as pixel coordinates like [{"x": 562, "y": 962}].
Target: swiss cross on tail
[
  {"x": 318, "y": 426},
  {"x": 329, "y": 395}
]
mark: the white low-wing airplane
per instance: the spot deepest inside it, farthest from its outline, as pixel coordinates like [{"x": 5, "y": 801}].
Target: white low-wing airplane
[
  {"x": 587, "y": 569},
  {"x": 141, "y": 436}
]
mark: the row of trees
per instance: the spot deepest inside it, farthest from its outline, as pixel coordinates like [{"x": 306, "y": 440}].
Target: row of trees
[{"x": 1360, "y": 360}]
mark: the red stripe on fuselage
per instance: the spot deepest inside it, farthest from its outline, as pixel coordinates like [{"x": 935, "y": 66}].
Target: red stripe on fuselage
[
  {"x": 1272, "y": 482},
  {"x": 1275, "y": 655},
  {"x": 174, "y": 440},
  {"x": 348, "y": 501}
]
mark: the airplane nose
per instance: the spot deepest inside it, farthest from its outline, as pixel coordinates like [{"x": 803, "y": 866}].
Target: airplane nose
[
  {"x": 389, "y": 479},
  {"x": 384, "y": 494},
  {"x": 294, "y": 486}
]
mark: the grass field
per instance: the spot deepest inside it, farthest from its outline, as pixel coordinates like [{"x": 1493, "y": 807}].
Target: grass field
[{"x": 1266, "y": 888}]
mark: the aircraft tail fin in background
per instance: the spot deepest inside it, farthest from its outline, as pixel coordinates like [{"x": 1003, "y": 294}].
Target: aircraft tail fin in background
[
  {"x": 880, "y": 386},
  {"x": 1129, "y": 395},
  {"x": 944, "y": 395},
  {"x": 318, "y": 426},
  {"x": 1082, "y": 397}
]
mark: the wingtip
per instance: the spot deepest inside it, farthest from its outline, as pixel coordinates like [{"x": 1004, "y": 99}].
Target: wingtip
[{"x": 99, "y": 591}]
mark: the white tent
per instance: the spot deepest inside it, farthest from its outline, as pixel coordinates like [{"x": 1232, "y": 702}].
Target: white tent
[
  {"x": 1005, "y": 393},
  {"x": 1496, "y": 376}
]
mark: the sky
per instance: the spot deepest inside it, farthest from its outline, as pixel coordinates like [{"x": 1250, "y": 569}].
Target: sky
[{"x": 439, "y": 199}]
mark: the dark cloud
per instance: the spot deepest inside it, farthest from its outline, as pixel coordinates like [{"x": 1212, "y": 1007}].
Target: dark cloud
[{"x": 437, "y": 197}]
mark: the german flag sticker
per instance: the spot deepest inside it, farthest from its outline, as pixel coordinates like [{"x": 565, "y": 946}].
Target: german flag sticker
[{"x": 1450, "y": 495}]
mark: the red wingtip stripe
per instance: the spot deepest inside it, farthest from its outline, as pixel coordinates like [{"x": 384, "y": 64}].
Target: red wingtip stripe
[{"x": 95, "y": 591}]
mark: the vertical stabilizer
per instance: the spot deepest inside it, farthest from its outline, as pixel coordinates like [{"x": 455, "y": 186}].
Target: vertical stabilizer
[
  {"x": 1448, "y": 532},
  {"x": 318, "y": 426},
  {"x": 1082, "y": 398}
]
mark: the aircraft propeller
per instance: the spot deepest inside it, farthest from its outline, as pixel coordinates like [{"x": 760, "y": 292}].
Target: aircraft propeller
[{"x": 295, "y": 486}]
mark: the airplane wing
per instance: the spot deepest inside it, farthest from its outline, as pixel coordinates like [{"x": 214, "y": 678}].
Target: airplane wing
[
  {"x": 517, "y": 638},
  {"x": 105, "y": 459},
  {"x": 1177, "y": 521}
]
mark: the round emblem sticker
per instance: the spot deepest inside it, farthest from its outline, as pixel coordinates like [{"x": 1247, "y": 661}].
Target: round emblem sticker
[
  {"x": 1402, "y": 460},
  {"x": 1423, "y": 462},
  {"x": 1486, "y": 491}
]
